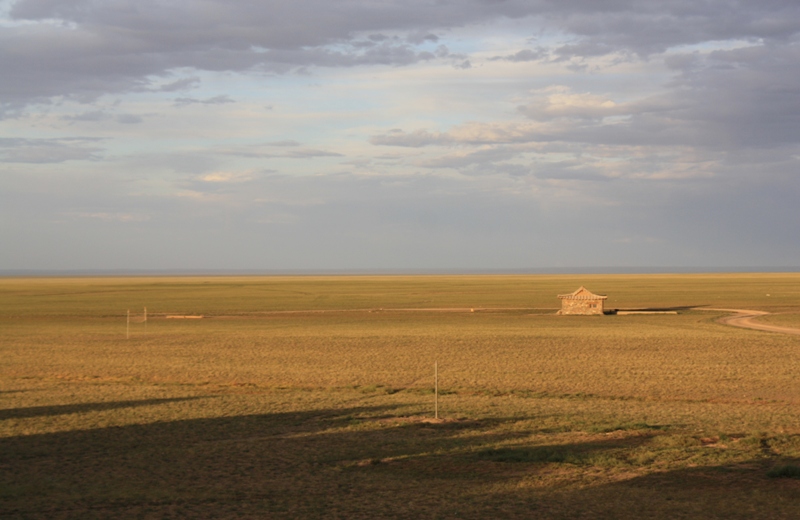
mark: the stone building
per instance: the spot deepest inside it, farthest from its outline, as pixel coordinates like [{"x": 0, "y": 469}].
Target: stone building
[{"x": 581, "y": 301}]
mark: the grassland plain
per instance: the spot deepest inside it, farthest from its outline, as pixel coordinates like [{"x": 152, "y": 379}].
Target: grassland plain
[{"x": 310, "y": 397}]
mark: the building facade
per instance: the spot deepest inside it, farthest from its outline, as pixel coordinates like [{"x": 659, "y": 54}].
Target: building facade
[{"x": 581, "y": 302}]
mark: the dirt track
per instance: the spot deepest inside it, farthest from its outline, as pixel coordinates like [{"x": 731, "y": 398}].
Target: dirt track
[{"x": 744, "y": 318}]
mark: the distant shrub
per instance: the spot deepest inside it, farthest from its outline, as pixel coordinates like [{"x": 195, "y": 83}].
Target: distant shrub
[{"x": 785, "y": 471}]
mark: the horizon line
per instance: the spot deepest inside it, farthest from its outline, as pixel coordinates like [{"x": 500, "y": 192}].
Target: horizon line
[{"x": 35, "y": 273}]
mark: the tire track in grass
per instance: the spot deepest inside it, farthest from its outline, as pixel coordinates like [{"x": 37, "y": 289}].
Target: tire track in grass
[{"x": 744, "y": 318}]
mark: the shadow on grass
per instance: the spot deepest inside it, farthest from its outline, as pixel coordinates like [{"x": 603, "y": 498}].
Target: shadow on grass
[
  {"x": 361, "y": 462},
  {"x": 47, "y": 411},
  {"x": 576, "y": 453},
  {"x": 742, "y": 491},
  {"x": 656, "y": 309}
]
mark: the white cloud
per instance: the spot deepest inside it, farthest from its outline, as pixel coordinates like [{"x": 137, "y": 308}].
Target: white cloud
[
  {"x": 560, "y": 101},
  {"x": 226, "y": 177}
]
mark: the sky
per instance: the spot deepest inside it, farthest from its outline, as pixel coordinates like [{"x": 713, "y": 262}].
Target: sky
[{"x": 399, "y": 134}]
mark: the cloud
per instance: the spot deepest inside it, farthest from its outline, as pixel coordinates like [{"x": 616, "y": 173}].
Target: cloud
[
  {"x": 41, "y": 151},
  {"x": 91, "y": 115},
  {"x": 467, "y": 127},
  {"x": 523, "y": 56},
  {"x": 128, "y": 119},
  {"x": 190, "y": 161},
  {"x": 199, "y": 196},
  {"x": 415, "y": 139},
  {"x": 267, "y": 150},
  {"x": 83, "y": 49},
  {"x": 560, "y": 102},
  {"x": 216, "y": 100},
  {"x": 179, "y": 84},
  {"x": 309, "y": 153},
  {"x": 646, "y": 28},
  {"x": 112, "y": 216},
  {"x": 227, "y": 177},
  {"x": 746, "y": 97},
  {"x": 402, "y": 221},
  {"x": 103, "y": 115},
  {"x": 462, "y": 159},
  {"x": 472, "y": 133},
  {"x": 284, "y": 143},
  {"x": 101, "y": 48}
]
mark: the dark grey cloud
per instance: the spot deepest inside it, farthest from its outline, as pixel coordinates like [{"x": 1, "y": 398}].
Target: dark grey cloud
[
  {"x": 179, "y": 84},
  {"x": 106, "y": 47},
  {"x": 652, "y": 27},
  {"x": 120, "y": 46},
  {"x": 746, "y": 97},
  {"x": 524, "y": 55},
  {"x": 128, "y": 119},
  {"x": 742, "y": 97}
]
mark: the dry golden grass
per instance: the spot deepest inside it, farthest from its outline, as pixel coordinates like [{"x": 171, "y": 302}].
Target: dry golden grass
[
  {"x": 318, "y": 413},
  {"x": 784, "y": 319}
]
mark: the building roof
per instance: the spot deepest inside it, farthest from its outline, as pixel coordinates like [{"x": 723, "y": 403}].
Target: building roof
[{"x": 582, "y": 294}]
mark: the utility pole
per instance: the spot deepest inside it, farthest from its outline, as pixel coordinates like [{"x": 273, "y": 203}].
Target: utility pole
[{"x": 436, "y": 389}]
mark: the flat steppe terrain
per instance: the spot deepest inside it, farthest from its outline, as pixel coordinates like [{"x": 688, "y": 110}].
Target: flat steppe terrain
[{"x": 312, "y": 397}]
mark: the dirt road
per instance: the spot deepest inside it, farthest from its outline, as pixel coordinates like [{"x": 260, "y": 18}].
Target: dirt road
[{"x": 744, "y": 318}]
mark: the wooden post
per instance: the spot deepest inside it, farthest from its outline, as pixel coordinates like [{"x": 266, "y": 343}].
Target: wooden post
[
  {"x": 145, "y": 319},
  {"x": 436, "y": 389},
  {"x": 128, "y": 326}
]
